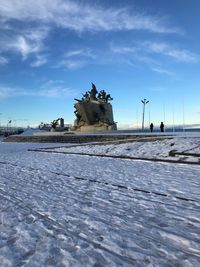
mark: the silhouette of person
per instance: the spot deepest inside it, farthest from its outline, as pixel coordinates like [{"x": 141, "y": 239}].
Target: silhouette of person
[
  {"x": 162, "y": 127},
  {"x": 151, "y": 127}
]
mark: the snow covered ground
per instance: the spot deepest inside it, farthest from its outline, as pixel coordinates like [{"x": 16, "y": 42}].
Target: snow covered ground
[
  {"x": 187, "y": 146},
  {"x": 31, "y": 131},
  {"x": 76, "y": 210}
]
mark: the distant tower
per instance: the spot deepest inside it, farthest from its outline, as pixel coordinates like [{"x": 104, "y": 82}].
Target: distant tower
[{"x": 62, "y": 123}]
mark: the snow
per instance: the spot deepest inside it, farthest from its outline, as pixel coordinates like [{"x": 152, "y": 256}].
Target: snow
[
  {"x": 61, "y": 209},
  {"x": 31, "y": 131},
  {"x": 149, "y": 149}
]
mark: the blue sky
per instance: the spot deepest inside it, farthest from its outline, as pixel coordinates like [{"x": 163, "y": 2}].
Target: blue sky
[{"x": 51, "y": 51}]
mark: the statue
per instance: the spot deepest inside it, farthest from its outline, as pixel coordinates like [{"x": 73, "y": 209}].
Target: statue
[
  {"x": 54, "y": 123},
  {"x": 102, "y": 95},
  {"x": 93, "y": 92},
  {"x": 86, "y": 96},
  {"x": 94, "y": 111}
]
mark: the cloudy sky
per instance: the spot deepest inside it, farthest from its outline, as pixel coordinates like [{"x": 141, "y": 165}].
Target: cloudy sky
[{"x": 51, "y": 51}]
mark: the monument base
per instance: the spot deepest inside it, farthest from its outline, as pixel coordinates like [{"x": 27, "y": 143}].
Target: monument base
[
  {"x": 94, "y": 113},
  {"x": 97, "y": 128}
]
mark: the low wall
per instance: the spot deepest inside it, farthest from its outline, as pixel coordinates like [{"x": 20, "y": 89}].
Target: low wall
[{"x": 74, "y": 138}]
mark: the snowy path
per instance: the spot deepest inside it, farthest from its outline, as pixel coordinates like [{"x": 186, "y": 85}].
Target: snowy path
[{"x": 67, "y": 210}]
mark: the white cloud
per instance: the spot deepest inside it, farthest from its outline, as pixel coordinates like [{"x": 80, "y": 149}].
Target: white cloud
[
  {"x": 34, "y": 19},
  {"x": 24, "y": 42},
  {"x": 74, "y": 53},
  {"x": 5, "y": 92},
  {"x": 162, "y": 71},
  {"x": 144, "y": 52},
  {"x": 87, "y": 53},
  {"x": 3, "y": 60},
  {"x": 56, "y": 92},
  {"x": 145, "y": 48},
  {"x": 77, "y": 59},
  {"x": 81, "y": 17},
  {"x": 55, "y": 88},
  {"x": 24, "y": 47},
  {"x": 181, "y": 55},
  {"x": 40, "y": 60},
  {"x": 48, "y": 89},
  {"x": 73, "y": 64},
  {"x": 123, "y": 49},
  {"x": 51, "y": 83},
  {"x": 37, "y": 34}
]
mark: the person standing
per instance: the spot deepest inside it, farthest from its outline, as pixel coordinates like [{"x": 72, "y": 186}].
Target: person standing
[
  {"x": 162, "y": 127},
  {"x": 151, "y": 127}
]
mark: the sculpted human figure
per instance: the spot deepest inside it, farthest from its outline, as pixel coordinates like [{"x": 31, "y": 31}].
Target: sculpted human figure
[
  {"x": 86, "y": 96},
  {"x": 54, "y": 123},
  {"x": 102, "y": 95},
  {"x": 108, "y": 97},
  {"x": 78, "y": 116},
  {"x": 93, "y": 92}
]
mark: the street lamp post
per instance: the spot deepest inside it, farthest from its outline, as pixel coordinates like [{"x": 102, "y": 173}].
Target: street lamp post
[
  {"x": 144, "y": 102},
  {"x": 0, "y": 119},
  {"x": 9, "y": 123}
]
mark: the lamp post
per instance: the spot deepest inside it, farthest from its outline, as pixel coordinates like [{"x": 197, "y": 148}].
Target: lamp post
[
  {"x": 144, "y": 102},
  {"x": 0, "y": 119},
  {"x": 9, "y": 123}
]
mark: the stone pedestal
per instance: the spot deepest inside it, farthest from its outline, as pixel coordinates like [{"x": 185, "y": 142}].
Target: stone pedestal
[
  {"x": 94, "y": 116},
  {"x": 97, "y": 128},
  {"x": 93, "y": 112}
]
